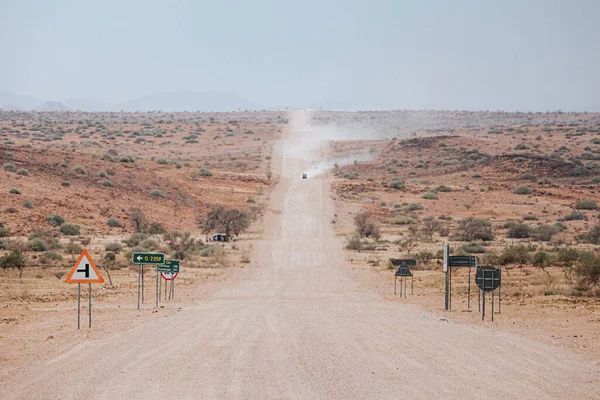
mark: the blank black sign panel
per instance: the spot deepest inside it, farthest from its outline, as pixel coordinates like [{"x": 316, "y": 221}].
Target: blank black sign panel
[
  {"x": 396, "y": 262},
  {"x": 462, "y": 261},
  {"x": 488, "y": 278}
]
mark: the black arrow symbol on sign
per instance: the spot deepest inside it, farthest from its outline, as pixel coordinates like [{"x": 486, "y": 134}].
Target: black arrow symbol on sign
[{"x": 86, "y": 270}]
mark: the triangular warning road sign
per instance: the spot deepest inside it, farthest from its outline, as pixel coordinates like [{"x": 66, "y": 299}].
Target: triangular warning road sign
[{"x": 84, "y": 270}]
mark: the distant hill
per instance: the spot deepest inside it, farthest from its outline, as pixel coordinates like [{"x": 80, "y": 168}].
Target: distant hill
[
  {"x": 189, "y": 101},
  {"x": 90, "y": 104},
  {"x": 9, "y": 101},
  {"x": 52, "y": 106},
  {"x": 167, "y": 102}
]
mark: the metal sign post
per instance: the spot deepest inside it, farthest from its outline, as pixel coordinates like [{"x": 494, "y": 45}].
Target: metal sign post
[
  {"x": 403, "y": 272},
  {"x": 446, "y": 291},
  {"x": 456, "y": 262},
  {"x": 78, "y": 306},
  {"x": 84, "y": 271},
  {"x": 488, "y": 279},
  {"x": 142, "y": 259}
]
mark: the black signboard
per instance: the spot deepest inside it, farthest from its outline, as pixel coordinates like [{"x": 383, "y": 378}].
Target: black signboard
[
  {"x": 488, "y": 278},
  {"x": 396, "y": 262},
  {"x": 462, "y": 261}
]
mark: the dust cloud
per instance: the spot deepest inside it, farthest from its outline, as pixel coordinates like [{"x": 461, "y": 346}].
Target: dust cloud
[{"x": 308, "y": 140}]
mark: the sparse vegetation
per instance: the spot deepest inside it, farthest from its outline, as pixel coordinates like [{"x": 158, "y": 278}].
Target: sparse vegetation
[
  {"x": 113, "y": 222},
  {"x": 522, "y": 190},
  {"x": 69, "y": 229},
  {"x": 586, "y": 205}
]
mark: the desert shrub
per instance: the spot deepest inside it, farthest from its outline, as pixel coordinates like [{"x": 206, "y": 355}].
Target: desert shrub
[
  {"x": 37, "y": 244},
  {"x": 521, "y": 146},
  {"x": 443, "y": 188},
  {"x": 429, "y": 196},
  {"x": 10, "y": 167},
  {"x": 80, "y": 170},
  {"x": 470, "y": 229},
  {"x": 106, "y": 183},
  {"x": 14, "y": 191},
  {"x": 400, "y": 220},
  {"x": 103, "y": 174},
  {"x": 156, "y": 228},
  {"x": 51, "y": 256},
  {"x": 110, "y": 256},
  {"x": 157, "y": 194},
  {"x": 574, "y": 216},
  {"x": 588, "y": 268},
  {"x": 475, "y": 176},
  {"x": 113, "y": 247},
  {"x": 586, "y": 205},
  {"x": 530, "y": 217},
  {"x": 162, "y": 161},
  {"x": 205, "y": 172},
  {"x": 354, "y": 243},
  {"x": 22, "y": 172},
  {"x": 65, "y": 184},
  {"x": 414, "y": 207},
  {"x": 365, "y": 226},
  {"x": 448, "y": 163},
  {"x": 126, "y": 159},
  {"x": 3, "y": 230},
  {"x": 545, "y": 181},
  {"x": 442, "y": 144},
  {"x": 522, "y": 190},
  {"x": 397, "y": 184},
  {"x": 107, "y": 157},
  {"x": 113, "y": 222},
  {"x": 518, "y": 254},
  {"x": 592, "y": 236},
  {"x": 527, "y": 177},
  {"x": 27, "y": 204},
  {"x": 55, "y": 220},
  {"x": 135, "y": 239},
  {"x": 209, "y": 251},
  {"x": 69, "y": 229},
  {"x": 519, "y": 231},
  {"x": 544, "y": 232},
  {"x": 149, "y": 244},
  {"x": 473, "y": 248}
]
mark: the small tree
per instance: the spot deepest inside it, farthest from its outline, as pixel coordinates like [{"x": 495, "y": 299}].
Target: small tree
[
  {"x": 365, "y": 226},
  {"x": 588, "y": 268},
  {"x": 72, "y": 248},
  {"x": 138, "y": 219},
  {"x": 431, "y": 226},
  {"x": 226, "y": 220},
  {"x": 13, "y": 259},
  {"x": 180, "y": 243}
]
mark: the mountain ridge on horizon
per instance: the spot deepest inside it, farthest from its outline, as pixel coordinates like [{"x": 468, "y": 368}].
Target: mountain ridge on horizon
[{"x": 162, "y": 101}]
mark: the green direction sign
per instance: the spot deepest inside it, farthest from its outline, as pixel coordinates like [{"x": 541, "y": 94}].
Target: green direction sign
[
  {"x": 173, "y": 263},
  {"x": 169, "y": 266},
  {"x": 163, "y": 268},
  {"x": 148, "y": 258}
]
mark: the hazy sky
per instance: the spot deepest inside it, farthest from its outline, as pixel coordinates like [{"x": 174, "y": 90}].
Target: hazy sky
[{"x": 525, "y": 55}]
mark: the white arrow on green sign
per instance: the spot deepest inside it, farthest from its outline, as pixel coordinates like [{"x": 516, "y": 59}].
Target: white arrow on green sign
[{"x": 148, "y": 258}]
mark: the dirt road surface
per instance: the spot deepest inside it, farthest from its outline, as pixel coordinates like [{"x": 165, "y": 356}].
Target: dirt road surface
[{"x": 300, "y": 327}]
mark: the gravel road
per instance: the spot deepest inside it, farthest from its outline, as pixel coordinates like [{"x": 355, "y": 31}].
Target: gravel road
[{"x": 302, "y": 328}]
